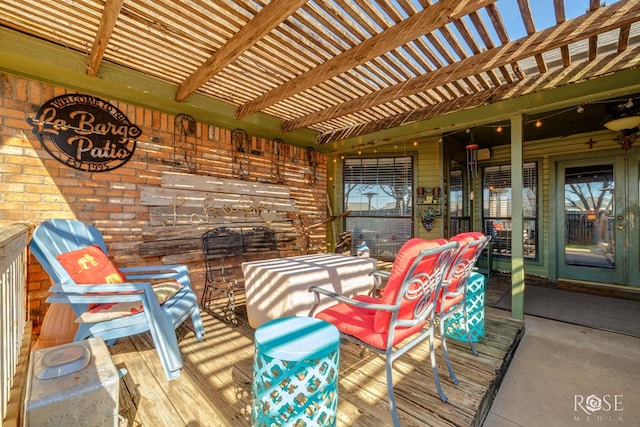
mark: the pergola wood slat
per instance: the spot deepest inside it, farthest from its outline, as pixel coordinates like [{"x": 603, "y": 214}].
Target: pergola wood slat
[
  {"x": 498, "y": 25},
  {"x": 525, "y": 11},
  {"x": 599, "y": 21},
  {"x": 264, "y": 21},
  {"x": 575, "y": 72},
  {"x": 475, "y": 49},
  {"x": 410, "y": 29},
  {"x": 623, "y": 38}
]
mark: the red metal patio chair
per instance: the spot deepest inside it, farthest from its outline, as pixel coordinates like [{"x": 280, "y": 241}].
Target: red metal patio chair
[
  {"x": 404, "y": 314},
  {"x": 454, "y": 294}
]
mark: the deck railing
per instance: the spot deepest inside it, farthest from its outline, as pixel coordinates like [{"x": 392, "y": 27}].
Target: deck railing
[{"x": 13, "y": 304}]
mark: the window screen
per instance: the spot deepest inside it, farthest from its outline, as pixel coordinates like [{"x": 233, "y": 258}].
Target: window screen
[{"x": 378, "y": 192}]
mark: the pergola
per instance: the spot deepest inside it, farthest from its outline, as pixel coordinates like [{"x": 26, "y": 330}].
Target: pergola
[{"x": 338, "y": 73}]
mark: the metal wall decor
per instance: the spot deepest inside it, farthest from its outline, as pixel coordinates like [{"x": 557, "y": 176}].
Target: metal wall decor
[
  {"x": 277, "y": 148},
  {"x": 211, "y": 209},
  {"x": 311, "y": 165},
  {"x": 472, "y": 158},
  {"x": 85, "y": 132},
  {"x": 185, "y": 142},
  {"x": 240, "y": 148}
]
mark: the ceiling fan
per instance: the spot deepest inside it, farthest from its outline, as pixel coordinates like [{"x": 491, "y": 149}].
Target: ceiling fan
[{"x": 626, "y": 120}]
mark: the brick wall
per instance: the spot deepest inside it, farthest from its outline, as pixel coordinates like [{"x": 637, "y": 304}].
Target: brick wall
[{"x": 35, "y": 187}]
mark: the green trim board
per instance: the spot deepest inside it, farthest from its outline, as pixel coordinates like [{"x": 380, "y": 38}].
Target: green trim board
[{"x": 517, "y": 219}]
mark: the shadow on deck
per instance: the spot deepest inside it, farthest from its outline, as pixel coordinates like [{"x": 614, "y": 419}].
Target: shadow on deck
[{"x": 214, "y": 388}]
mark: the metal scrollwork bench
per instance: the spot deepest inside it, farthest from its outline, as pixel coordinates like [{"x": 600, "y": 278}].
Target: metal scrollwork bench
[{"x": 224, "y": 250}]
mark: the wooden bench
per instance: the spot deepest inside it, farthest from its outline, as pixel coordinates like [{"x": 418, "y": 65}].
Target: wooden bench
[{"x": 224, "y": 250}]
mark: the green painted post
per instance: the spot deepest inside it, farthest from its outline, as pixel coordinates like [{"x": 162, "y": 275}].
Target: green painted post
[{"x": 517, "y": 222}]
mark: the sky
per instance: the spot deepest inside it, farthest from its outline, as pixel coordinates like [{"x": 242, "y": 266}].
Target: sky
[{"x": 543, "y": 14}]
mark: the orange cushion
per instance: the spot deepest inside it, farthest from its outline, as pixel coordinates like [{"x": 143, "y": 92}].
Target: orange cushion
[
  {"x": 90, "y": 266},
  {"x": 406, "y": 256},
  {"x": 359, "y": 323},
  {"x": 462, "y": 253}
]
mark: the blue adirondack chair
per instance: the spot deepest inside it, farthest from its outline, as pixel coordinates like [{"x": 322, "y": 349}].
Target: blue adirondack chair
[{"x": 55, "y": 237}]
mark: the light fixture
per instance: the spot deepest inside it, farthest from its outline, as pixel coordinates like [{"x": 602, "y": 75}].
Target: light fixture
[
  {"x": 623, "y": 123},
  {"x": 580, "y": 109},
  {"x": 538, "y": 123},
  {"x": 415, "y": 143},
  {"x": 499, "y": 129}
]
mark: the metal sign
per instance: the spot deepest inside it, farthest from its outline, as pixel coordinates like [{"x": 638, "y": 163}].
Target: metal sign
[{"x": 85, "y": 132}]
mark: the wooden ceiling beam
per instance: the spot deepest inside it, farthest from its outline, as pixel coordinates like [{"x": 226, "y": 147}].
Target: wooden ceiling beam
[
  {"x": 602, "y": 20},
  {"x": 464, "y": 31},
  {"x": 593, "y": 40},
  {"x": 558, "y": 7},
  {"x": 498, "y": 25},
  {"x": 417, "y": 25},
  {"x": 529, "y": 25},
  {"x": 272, "y": 15},
  {"x": 623, "y": 37},
  {"x": 107, "y": 24}
]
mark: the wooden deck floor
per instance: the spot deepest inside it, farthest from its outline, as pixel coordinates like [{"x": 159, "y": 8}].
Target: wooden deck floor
[{"x": 214, "y": 388}]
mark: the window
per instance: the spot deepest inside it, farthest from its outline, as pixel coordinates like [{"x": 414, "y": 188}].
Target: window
[
  {"x": 496, "y": 212},
  {"x": 459, "y": 219},
  {"x": 378, "y": 192}
]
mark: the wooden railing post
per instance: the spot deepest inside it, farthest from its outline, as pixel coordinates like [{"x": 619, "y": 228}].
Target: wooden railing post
[{"x": 14, "y": 239}]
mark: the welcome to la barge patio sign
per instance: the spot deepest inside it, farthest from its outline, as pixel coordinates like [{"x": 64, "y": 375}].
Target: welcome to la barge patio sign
[{"x": 85, "y": 132}]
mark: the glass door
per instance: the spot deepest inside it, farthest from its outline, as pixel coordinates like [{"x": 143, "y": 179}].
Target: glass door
[
  {"x": 597, "y": 220},
  {"x": 632, "y": 221}
]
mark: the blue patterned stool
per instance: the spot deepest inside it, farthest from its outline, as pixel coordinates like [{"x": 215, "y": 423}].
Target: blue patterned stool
[
  {"x": 295, "y": 373},
  {"x": 454, "y": 325}
]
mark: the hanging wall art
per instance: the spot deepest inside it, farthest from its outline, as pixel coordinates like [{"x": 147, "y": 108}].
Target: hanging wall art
[{"x": 85, "y": 132}]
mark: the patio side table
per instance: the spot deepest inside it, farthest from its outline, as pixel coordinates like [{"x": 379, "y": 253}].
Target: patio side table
[
  {"x": 454, "y": 327},
  {"x": 295, "y": 373}
]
